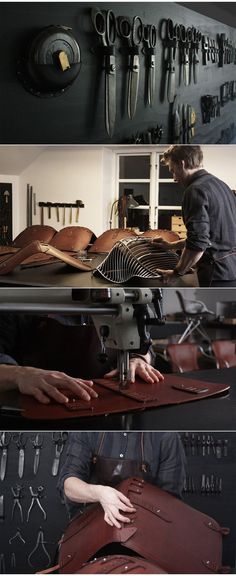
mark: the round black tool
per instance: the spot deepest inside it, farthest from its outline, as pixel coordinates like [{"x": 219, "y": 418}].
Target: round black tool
[{"x": 52, "y": 63}]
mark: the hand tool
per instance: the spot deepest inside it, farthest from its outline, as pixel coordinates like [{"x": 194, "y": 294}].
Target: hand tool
[
  {"x": 64, "y": 215},
  {"x": 59, "y": 439},
  {"x": 225, "y": 448},
  {"x": 36, "y": 496},
  {"x": 16, "y": 536},
  {"x": 37, "y": 443},
  {"x": 2, "y": 515},
  {"x": 176, "y": 123},
  {"x": 205, "y": 49},
  {"x": 196, "y": 39},
  {"x": 219, "y": 449},
  {"x": 34, "y": 204},
  {"x": 71, "y": 214},
  {"x": 185, "y": 122},
  {"x": 57, "y": 212},
  {"x": 13, "y": 562},
  {"x": 17, "y": 495},
  {"x": 150, "y": 38},
  {"x": 4, "y": 443},
  {"x": 171, "y": 41},
  {"x": 104, "y": 23},
  {"x": 203, "y": 445},
  {"x": 20, "y": 440},
  {"x": 185, "y": 43},
  {"x": 2, "y": 564},
  {"x": 40, "y": 543},
  {"x": 221, "y": 40},
  {"x": 203, "y": 484},
  {"x": 208, "y": 443},
  {"x": 133, "y": 34},
  {"x": 42, "y": 216},
  {"x": 6, "y": 195}
]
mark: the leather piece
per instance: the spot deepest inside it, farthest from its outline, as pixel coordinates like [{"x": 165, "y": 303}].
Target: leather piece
[
  {"x": 72, "y": 238},
  {"x": 108, "y": 239},
  {"x": 168, "y": 235},
  {"x": 120, "y": 564},
  {"x": 140, "y": 395},
  {"x": 36, "y": 232},
  {"x": 8, "y": 263},
  {"x": 224, "y": 352},
  {"x": 186, "y": 544},
  {"x": 183, "y": 357}
]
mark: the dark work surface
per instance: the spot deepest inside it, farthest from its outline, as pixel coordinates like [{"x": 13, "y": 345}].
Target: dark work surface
[
  {"x": 217, "y": 413},
  {"x": 77, "y": 115},
  {"x": 61, "y": 275}
]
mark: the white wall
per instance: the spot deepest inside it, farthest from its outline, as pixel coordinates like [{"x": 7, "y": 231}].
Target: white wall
[
  {"x": 221, "y": 161},
  {"x": 65, "y": 175}
]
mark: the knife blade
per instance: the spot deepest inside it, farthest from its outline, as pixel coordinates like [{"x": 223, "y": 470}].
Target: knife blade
[
  {"x": 3, "y": 464},
  {"x": 110, "y": 94},
  {"x": 36, "y": 460},
  {"x": 21, "y": 462},
  {"x": 171, "y": 78},
  {"x": 133, "y": 84},
  {"x": 151, "y": 79}
]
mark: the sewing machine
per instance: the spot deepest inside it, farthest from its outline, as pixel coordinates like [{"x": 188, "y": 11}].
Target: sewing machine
[{"x": 121, "y": 316}]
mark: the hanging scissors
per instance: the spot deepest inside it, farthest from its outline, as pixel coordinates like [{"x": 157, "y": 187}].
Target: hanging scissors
[
  {"x": 37, "y": 442},
  {"x": 20, "y": 440},
  {"x": 150, "y": 38},
  {"x": 171, "y": 38},
  {"x": 104, "y": 23},
  {"x": 5, "y": 438},
  {"x": 133, "y": 34}
]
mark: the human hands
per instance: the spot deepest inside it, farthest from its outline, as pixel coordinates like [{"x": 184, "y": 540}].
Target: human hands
[
  {"x": 46, "y": 384},
  {"x": 169, "y": 277},
  {"x": 162, "y": 243},
  {"x": 112, "y": 502},
  {"x": 138, "y": 367}
]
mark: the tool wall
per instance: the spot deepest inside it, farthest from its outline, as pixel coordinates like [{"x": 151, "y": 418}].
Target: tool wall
[
  {"x": 5, "y": 214},
  {"x": 33, "y": 517},
  {"x": 79, "y": 86}
]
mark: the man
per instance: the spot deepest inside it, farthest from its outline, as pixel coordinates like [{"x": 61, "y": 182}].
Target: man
[
  {"x": 97, "y": 461},
  {"x": 32, "y": 347},
  {"x": 209, "y": 214}
]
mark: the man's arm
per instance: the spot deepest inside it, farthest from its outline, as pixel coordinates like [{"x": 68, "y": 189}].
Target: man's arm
[{"x": 113, "y": 502}]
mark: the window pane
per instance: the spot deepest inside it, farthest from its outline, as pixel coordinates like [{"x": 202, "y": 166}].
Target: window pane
[
  {"x": 164, "y": 170},
  {"x": 134, "y": 167},
  {"x": 140, "y": 192},
  {"x": 170, "y": 194},
  {"x": 164, "y": 218}
]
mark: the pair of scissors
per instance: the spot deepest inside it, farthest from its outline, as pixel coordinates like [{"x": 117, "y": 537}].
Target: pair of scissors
[
  {"x": 133, "y": 34},
  {"x": 104, "y": 23},
  {"x": 37, "y": 442},
  {"x": 196, "y": 39},
  {"x": 150, "y": 38},
  {"x": 171, "y": 39},
  {"x": 59, "y": 439},
  {"x": 5, "y": 438},
  {"x": 20, "y": 440}
]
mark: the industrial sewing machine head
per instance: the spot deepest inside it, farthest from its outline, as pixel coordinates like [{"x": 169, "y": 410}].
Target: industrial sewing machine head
[{"x": 126, "y": 330}]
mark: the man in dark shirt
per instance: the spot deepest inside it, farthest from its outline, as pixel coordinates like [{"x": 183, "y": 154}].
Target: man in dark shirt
[
  {"x": 98, "y": 461},
  {"x": 209, "y": 214}
]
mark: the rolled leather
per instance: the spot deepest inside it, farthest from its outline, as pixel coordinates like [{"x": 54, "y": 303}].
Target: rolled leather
[
  {"x": 120, "y": 564},
  {"x": 163, "y": 530},
  {"x": 111, "y": 399}
]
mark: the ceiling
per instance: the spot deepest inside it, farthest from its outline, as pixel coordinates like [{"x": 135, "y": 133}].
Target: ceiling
[{"x": 14, "y": 159}]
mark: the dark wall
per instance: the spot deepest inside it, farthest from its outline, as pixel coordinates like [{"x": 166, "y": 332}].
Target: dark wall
[{"x": 77, "y": 116}]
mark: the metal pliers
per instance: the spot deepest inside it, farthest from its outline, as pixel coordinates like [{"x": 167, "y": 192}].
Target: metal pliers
[
  {"x": 36, "y": 495},
  {"x": 17, "y": 495}
]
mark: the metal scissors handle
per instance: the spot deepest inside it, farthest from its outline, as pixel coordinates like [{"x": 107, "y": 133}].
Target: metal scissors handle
[
  {"x": 59, "y": 437},
  {"x": 37, "y": 441},
  {"x": 19, "y": 439},
  {"x": 5, "y": 438},
  {"x": 131, "y": 32},
  {"x": 104, "y": 23},
  {"x": 150, "y": 35},
  {"x": 172, "y": 30}
]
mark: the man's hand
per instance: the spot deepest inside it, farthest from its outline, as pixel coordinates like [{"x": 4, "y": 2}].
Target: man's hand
[
  {"x": 169, "y": 278},
  {"x": 138, "y": 367},
  {"x": 112, "y": 502},
  {"x": 46, "y": 384},
  {"x": 162, "y": 243}
]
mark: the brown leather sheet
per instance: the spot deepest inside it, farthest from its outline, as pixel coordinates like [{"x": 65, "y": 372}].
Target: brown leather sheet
[
  {"x": 39, "y": 232},
  {"x": 118, "y": 564},
  {"x": 8, "y": 263},
  {"x": 108, "y": 239},
  {"x": 164, "y": 530},
  {"x": 139, "y": 396}
]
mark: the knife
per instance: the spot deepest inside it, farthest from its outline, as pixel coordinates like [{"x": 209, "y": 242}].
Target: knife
[{"x": 150, "y": 37}]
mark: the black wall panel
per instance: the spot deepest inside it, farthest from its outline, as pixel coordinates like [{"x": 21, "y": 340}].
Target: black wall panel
[{"x": 77, "y": 116}]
